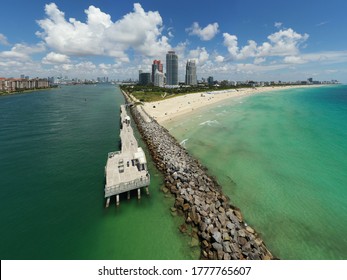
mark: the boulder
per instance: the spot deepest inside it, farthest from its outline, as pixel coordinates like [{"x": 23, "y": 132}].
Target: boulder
[
  {"x": 217, "y": 236},
  {"x": 217, "y": 246},
  {"x": 249, "y": 229}
]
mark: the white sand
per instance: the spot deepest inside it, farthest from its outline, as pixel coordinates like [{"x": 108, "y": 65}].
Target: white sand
[{"x": 174, "y": 107}]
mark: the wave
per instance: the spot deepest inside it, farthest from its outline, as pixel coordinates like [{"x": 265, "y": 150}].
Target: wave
[
  {"x": 183, "y": 142},
  {"x": 210, "y": 123}
]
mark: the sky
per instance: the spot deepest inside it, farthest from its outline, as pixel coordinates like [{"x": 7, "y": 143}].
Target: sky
[{"x": 236, "y": 40}]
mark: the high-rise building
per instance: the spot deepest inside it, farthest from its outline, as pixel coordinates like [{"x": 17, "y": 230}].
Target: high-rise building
[
  {"x": 144, "y": 78},
  {"x": 210, "y": 80},
  {"x": 159, "y": 79},
  {"x": 191, "y": 73},
  {"x": 157, "y": 65},
  {"x": 171, "y": 69}
]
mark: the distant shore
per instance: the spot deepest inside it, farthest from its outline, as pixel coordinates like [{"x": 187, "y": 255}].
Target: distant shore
[
  {"x": 24, "y": 91},
  {"x": 171, "y": 108}
]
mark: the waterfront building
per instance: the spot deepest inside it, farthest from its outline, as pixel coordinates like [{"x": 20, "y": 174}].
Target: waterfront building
[
  {"x": 191, "y": 78},
  {"x": 157, "y": 65},
  {"x": 159, "y": 79},
  {"x": 171, "y": 69},
  {"x": 210, "y": 80},
  {"x": 17, "y": 84},
  {"x": 144, "y": 78}
]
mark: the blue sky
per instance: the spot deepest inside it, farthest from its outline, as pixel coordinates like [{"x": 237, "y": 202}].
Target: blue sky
[{"x": 229, "y": 39}]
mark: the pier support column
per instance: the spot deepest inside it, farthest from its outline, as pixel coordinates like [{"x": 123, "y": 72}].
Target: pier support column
[
  {"x": 147, "y": 191},
  {"x": 107, "y": 202},
  {"x": 128, "y": 197},
  {"x": 138, "y": 193},
  {"x": 117, "y": 200}
]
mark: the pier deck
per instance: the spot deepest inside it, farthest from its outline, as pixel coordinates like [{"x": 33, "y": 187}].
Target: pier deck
[{"x": 126, "y": 170}]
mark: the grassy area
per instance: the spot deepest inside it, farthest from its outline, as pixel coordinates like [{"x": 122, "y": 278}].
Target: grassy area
[{"x": 151, "y": 94}]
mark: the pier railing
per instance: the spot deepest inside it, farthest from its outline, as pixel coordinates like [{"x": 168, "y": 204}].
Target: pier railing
[{"x": 127, "y": 186}]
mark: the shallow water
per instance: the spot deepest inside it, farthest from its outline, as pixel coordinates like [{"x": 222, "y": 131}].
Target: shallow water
[{"x": 281, "y": 157}]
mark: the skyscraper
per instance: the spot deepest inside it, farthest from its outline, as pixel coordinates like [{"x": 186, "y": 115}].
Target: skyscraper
[
  {"x": 156, "y": 66},
  {"x": 171, "y": 68},
  {"x": 191, "y": 73},
  {"x": 159, "y": 79}
]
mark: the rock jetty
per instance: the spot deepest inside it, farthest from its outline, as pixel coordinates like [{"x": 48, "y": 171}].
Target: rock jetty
[{"x": 214, "y": 224}]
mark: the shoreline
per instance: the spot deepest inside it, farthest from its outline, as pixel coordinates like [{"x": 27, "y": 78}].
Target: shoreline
[
  {"x": 172, "y": 108},
  {"x": 217, "y": 227},
  {"x": 24, "y": 91}
]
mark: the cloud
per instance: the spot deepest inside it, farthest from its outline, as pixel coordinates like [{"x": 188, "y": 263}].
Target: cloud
[
  {"x": 100, "y": 36},
  {"x": 55, "y": 58},
  {"x": 22, "y": 51},
  {"x": 285, "y": 42},
  {"x": 207, "y": 33},
  {"x": 278, "y": 24},
  {"x": 322, "y": 23},
  {"x": 294, "y": 60},
  {"x": 199, "y": 54},
  {"x": 259, "y": 60},
  {"x": 3, "y": 40},
  {"x": 219, "y": 58}
]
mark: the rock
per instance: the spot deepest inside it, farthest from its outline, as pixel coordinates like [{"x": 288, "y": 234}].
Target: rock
[
  {"x": 206, "y": 236},
  {"x": 186, "y": 207},
  {"x": 258, "y": 241},
  {"x": 226, "y": 247},
  {"x": 218, "y": 204},
  {"x": 241, "y": 233},
  {"x": 238, "y": 215},
  {"x": 230, "y": 225},
  {"x": 249, "y": 229},
  {"x": 226, "y": 236},
  {"x": 242, "y": 241},
  {"x": 173, "y": 209},
  {"x": 217, "y": 246},
  {"x": 217, "y": 236},
  {"x": 205, "y": 243},
  {"x": 221, "y": 218},
  {"x": 183, "y": 228},
  {"x": 226, "y": 256},
  {"x": 203, "y": 226}
]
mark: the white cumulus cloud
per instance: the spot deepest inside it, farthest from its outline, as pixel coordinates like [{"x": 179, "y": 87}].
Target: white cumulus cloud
[
  {"x": 207, "y": 33},
  {"x": 22, "y": 51},
  {"x": 219, "y": 58},
  {"x": 53, "y": 58},
  {"x": 199, "y": 54},
  {"x": 285, "y": 42},
  {"x": 99, "y": 35}
]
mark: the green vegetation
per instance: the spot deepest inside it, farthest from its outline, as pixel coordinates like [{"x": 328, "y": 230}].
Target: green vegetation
[{"x": 151, "y": 93}]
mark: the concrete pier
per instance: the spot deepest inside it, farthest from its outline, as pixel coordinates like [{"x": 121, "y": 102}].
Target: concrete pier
[{"x": 126, "y": 170}]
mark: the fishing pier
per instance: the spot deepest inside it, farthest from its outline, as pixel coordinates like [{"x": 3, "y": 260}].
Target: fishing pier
[{"x": 126, "y": 170}]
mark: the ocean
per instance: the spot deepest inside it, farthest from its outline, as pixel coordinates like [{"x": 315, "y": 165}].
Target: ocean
[
  {"x": 281, "y": 157},
  {"x": 53, "y": 150}
]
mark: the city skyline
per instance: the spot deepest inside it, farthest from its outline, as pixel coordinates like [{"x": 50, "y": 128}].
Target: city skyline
[{"x": 242, "y": 40}]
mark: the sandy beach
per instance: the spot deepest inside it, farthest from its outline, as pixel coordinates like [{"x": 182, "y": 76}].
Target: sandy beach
[{"x": 170, "y": 108}]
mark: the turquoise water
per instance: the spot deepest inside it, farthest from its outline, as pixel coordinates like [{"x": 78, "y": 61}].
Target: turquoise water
[
  {"x": 282, "y": 158},
  {"x": 53, "y": 149}
]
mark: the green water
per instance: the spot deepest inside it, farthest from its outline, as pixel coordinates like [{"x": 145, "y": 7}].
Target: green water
[
  {"x": 53, "y": 149},
  {"x": 282, "y": 158}
]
